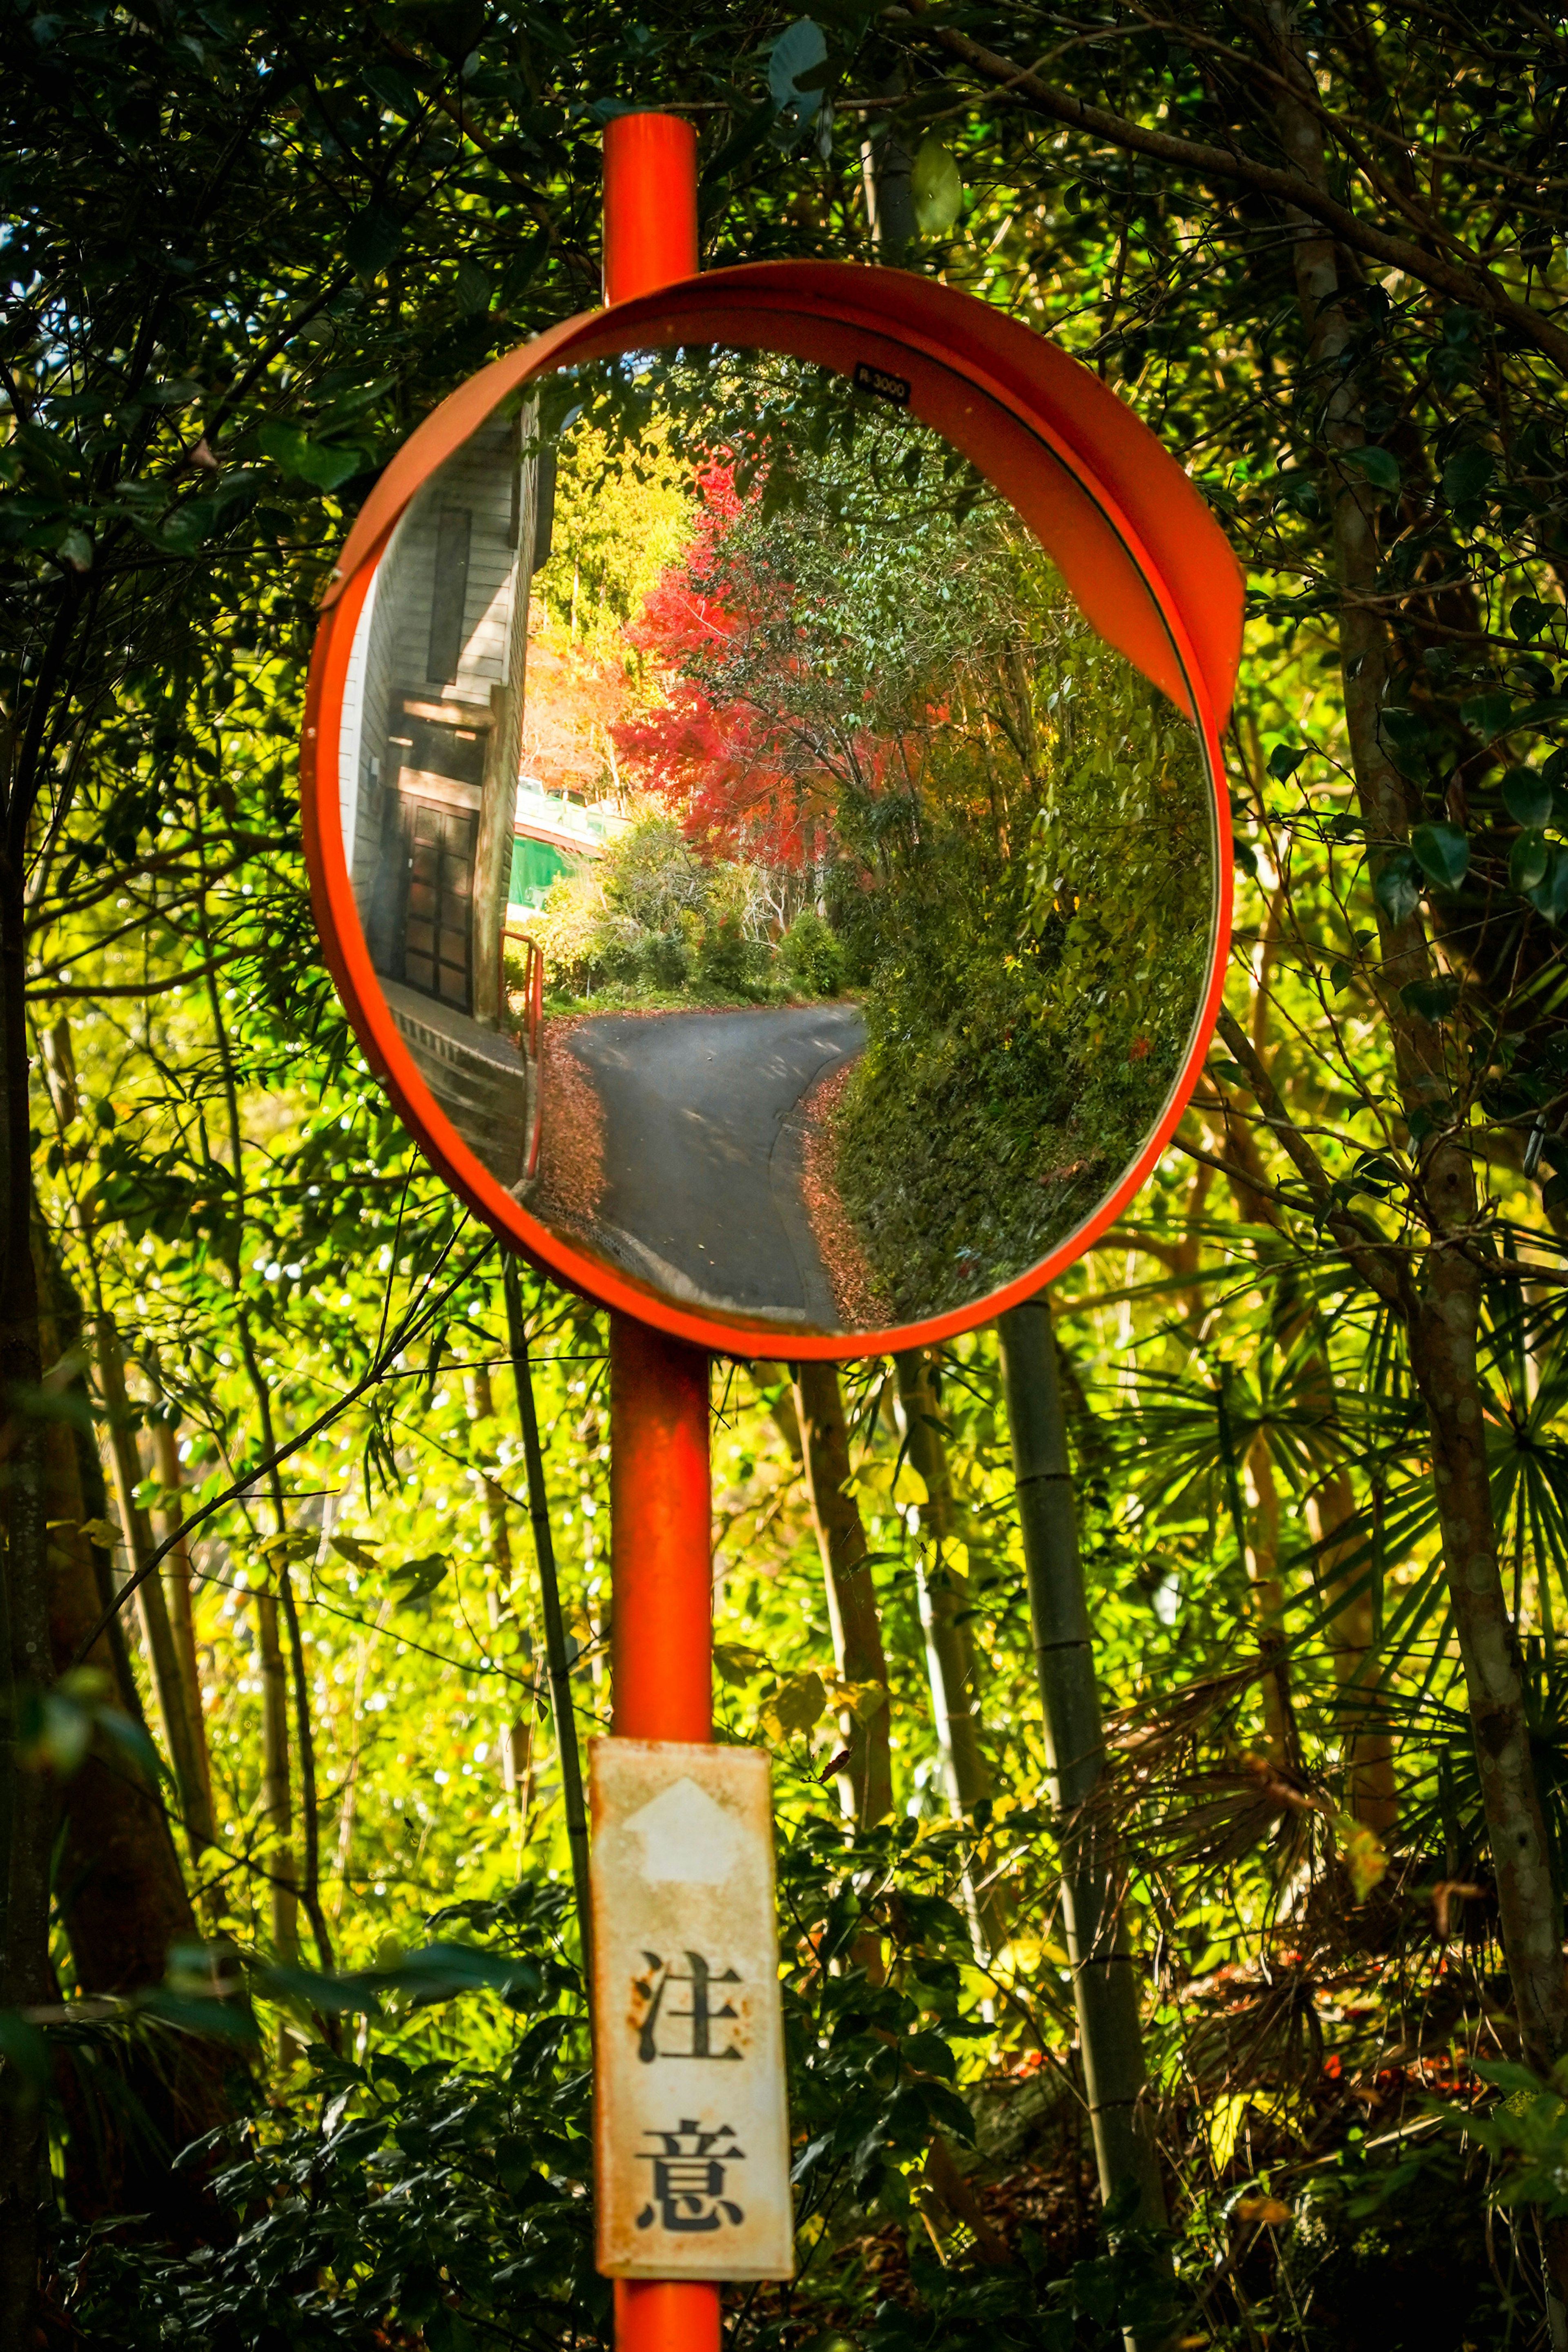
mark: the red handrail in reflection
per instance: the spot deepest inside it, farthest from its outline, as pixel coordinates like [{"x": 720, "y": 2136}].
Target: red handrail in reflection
[{"x": 532, "y": 1037}]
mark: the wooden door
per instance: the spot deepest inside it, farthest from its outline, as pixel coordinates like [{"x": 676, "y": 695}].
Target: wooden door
[{"x": 437, "y": 928}]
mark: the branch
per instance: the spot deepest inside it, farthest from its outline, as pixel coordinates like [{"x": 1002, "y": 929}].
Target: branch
[
  {"x": 1379, "y": 1266},
  {"x": 417, "y": 1319},
  {"x": 1466, "y": 281}
]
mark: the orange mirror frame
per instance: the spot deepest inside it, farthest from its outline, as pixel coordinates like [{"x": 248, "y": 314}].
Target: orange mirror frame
[{"x": 1148, "y": 564}]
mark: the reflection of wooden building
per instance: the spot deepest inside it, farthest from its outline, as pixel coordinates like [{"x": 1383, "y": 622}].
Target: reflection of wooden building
[{"x": 434, "y": 710}]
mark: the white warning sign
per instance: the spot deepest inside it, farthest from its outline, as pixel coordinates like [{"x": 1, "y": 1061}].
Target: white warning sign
[{"x": 691, "y": 2125}]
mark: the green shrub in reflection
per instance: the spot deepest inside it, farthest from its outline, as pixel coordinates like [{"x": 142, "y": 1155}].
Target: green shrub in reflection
[
  {"x": 812, "y": 956},
  {"x": 653, "y": 923},
  {"x": 1002, "y": 821},
  {"x": 1029, "y": 984}
]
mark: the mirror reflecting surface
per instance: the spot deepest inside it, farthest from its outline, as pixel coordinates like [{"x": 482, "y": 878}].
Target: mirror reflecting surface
[{"x": 784, "y": 891}]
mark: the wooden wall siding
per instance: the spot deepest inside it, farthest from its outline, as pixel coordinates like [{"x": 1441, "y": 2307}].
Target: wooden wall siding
[
  {"x": 391, "y": 643},
  {"x": 508, "y": 751},
  {"x": 449, "y": 593},
  {"x": 478, "y": 477},
  {"x": 367, "y": 710}
]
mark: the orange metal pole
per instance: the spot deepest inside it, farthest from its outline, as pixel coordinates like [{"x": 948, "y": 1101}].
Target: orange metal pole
[
  {"x": 650, "y": 203},
  {"x": 660, "y": 1640},
  {"x": 661, "y": 1627},
  {"x": 660, "y": 1657}
]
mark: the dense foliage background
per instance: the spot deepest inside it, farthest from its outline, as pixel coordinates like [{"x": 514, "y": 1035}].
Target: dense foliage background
[{"x": 1313, "y": 1383}]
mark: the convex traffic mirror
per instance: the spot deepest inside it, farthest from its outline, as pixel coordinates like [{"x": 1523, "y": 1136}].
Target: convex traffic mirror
[{"x": 766, "y": 819}]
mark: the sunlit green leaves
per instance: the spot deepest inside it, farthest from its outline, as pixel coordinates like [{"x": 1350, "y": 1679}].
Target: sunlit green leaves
[{"x": 936, "y": 187}]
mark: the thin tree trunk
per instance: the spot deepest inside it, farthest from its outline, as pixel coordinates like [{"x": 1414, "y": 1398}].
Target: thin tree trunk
[
  {"x": 1334, "y": 1520},
  {"x": 950, "y": 1665},
  {"x": 1269, "y": 1596},
  {"x": 176, "y": 1575},
  {"x": 277, "y": 1794},
  {"x": 1104, "y": 1973},
  {"x": 1336, "y": 1528},
  {"x": 28, "y": 1798},
  {"x": 515, "y": 1731},
  {"x": 349, "y": 1802},
  {"x": 180, "y": 1734},
  {"x": 549, "y": 1601},
  {"x": 944, "y": 1597},
  {"x": 866, "y": 1784},
  {"x": 309, "y": 1807},
  {"x": 121, "y": 1896},
  {"x": 1443, "y": 1317}
]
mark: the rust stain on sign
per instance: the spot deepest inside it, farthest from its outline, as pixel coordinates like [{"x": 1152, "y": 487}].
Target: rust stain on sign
[{"x": 692, "y": 2138}]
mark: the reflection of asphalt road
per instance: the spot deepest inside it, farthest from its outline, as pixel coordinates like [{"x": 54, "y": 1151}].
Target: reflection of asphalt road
[{"x": 704, "y": 1148}]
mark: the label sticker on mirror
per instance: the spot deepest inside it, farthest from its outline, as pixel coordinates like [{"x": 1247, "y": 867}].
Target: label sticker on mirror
[
  {"x": 692, "y": 2144},
  {"x": 886, "y": 386}
]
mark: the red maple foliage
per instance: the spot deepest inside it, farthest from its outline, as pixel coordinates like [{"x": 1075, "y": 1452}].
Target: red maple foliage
[{"x": 744, "y": 785}]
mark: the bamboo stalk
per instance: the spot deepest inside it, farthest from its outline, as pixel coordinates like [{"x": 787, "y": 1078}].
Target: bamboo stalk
[
  {"x": 276, "y": 1797},
  {"x": 176, "y": 1575},
  {"x": 516, "y": 1735},
  {"x": 1104, "y": 1973},
  {"x": 549, "y": 1598},
  {"x": 866, "y": 1785},
  {"x": 180, "y": 1736},
  {"x": 943, "y": 1592}
]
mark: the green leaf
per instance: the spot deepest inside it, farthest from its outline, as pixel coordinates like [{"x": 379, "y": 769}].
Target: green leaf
[
  {"x": 226, "y": 2021},
  {"x": 1528, "y": 616},
  {"x": 394, "y": 88},
  {"x": 1430, "y": 999},
  {"x": 735, "y": 1663},
  {"x": 417, "y": 1579},
  {"x": 1487, "y": 715},
  {"x": 1442, "y": 853},
  {"x": 281, "y": 441},
  {"x": 321, "y": 462},
  {"x": 1396, "y": 889},
  {"x": 371, "y": 240},
  {"x": 1285, "y": 759},
  {"x": 799, "y": 47},
  {"x": 1527, "y": 862},
  {"x": 326, "y": 465},
  {"x": 796, "y": 1706},
  {"x": 1375, "y": 1171},
  {"x": 1466, "y": 475},
  {"x": 1409, "y": 737},
  {"x": 357, "y": 1554},
  {"x": 936, "y": 187},
  {"x": 474, "y": 286},
  {"x": 193, "y": 521},
  {"x": 1504, "y": 2075},
  {"x": 1378, "y": 467},
  {"x": 1550, "y": 897},
  {"x": 1527, "y": 796},
  {"x": 26, "y": 2056}
]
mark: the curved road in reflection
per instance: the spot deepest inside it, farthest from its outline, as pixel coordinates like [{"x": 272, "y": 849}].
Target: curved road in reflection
[{"x": 703, "y": 1150}]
